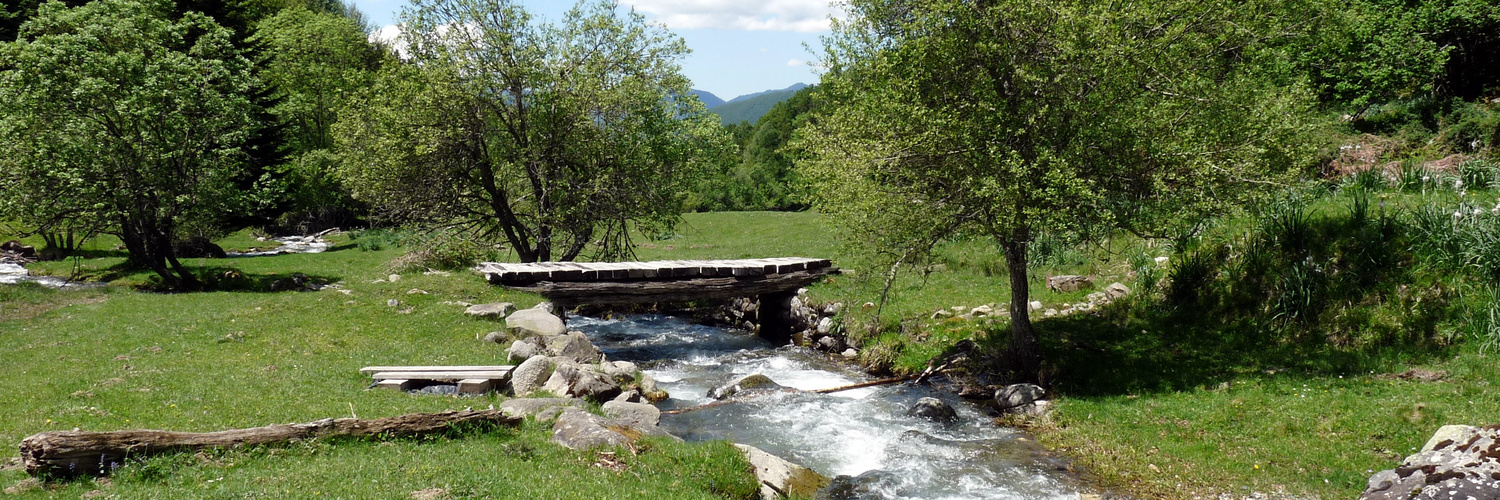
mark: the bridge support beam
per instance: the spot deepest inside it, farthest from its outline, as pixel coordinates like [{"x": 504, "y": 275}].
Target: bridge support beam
[{"x": 775, "y": 314}]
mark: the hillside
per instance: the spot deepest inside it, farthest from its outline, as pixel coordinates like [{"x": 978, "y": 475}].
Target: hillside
[
  {"x": 751, "y": 107},
  {"x": 709, "y": 99}
]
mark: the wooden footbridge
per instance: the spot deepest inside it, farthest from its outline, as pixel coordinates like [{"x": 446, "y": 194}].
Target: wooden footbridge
[{"x": 775, "y": 281}]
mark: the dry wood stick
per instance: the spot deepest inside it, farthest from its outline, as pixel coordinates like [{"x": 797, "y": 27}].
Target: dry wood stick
[{"x": 70, "y": 453}]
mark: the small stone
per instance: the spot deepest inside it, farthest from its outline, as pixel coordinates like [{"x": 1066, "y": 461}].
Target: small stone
[
  {"x": 1116, "y": 290},
  {"x": 825, "y": 325},
  {"x": 1035, "y": 305},
  {"x": 416, "y": 291},
  {"x": 851, "y": 353},
  {"x": 1049, "y": 313},
  {"x": 1162, "y": 261},
  {"x": 958, "y": 309},
  {"x": 941, "y": 313},
  {"x": 392, "y": 303},
  {"x": 830, "y": 344},
  {"x": 574, "y": 346},
  {"x": 393, "y": 278},
  {"x": 494, "y": 338},
  {"x": 984, "y": 310}
]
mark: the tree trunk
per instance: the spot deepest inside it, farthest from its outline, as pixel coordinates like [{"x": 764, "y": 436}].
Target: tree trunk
[
  {"x": 1024, "y": 354},
  {"x": 71, "y": 453}
]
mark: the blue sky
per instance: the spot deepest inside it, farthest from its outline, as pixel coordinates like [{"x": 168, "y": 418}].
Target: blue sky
[{"x": 739, "y": 46}]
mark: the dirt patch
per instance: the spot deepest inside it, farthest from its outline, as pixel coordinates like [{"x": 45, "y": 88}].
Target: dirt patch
[
  {"x": 24, "y": 310},
  {"x": 1416, "y": 375}
]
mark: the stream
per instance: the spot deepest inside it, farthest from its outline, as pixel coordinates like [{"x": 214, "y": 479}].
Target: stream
[{"x": 863, "y": 436}]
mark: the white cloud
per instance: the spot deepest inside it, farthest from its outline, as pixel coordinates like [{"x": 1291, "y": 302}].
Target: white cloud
[
  {"x": 796, "y": 62},
  {"x": 769, "y": 15}
]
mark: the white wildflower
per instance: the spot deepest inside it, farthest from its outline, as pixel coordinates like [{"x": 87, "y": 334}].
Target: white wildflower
[{"x": 1478, "y": 211}]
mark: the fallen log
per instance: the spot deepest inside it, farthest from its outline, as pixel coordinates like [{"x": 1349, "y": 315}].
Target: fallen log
[
  {"x": 862, "y": 385},
  {"x": 754, "y": 394},
  {"x": 72, "y": 453}
]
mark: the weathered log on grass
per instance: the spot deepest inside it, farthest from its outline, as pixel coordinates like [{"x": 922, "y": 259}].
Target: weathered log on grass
[{"x": 71, "y": 453}]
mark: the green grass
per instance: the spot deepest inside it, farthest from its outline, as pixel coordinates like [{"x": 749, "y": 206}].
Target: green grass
[{"x": 124, "y": 359}]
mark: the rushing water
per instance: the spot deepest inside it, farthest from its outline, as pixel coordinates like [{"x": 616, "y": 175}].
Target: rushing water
[
  {"x": 863, "y": 433},
  {"x": 11, "y": 274}
]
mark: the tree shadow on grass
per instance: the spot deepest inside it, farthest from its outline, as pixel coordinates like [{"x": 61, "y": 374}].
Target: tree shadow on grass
[{"x": 1120, "y": 353}]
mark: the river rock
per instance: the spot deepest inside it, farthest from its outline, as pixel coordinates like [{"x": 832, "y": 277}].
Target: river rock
[
  {"x": 623, "y": 372},
  {"x": 636, "y": 413},
  {"x": 851, "y": 353},
  {"x": 581, "y": 381},
  {"x": 749, "y": 382},
  {"x": 581, "y": 430},
  {"x": 495, "y": 310},
  {"x": 1019, "y": 397},
  {"x": 780, "y": 478},
  {"x": 530, "y": 375},
  {"x": 1460, "y": 462},
  {"x": 933, "y": 409},
  {"x": 825, "y": 325},
  {"x": 1068, "y": 283},
  {"x": 522, "y": 350},
  {"x": 574, "y": 346},
  {"x": 871, "y": 485},
  {"x": 647, "y": 386},
  {"x": 534, "y": 322},
  {"x": 542, "y": 409},
  {"x": 830, "y": 343}
]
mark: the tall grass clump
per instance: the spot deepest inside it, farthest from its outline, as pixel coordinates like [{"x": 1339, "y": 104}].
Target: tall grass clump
[{"x": 1477, "y": 174}]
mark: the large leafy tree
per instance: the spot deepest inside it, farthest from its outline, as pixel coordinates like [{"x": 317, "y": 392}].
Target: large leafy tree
[
  {"x": 1014, "y": 119},
  {"x": 312, "y": 62},
  {"x": 550, "y": 137},
  {"x": 120, "y": 116}
]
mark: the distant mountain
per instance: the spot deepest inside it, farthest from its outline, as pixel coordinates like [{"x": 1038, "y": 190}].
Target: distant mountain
[
  {"x": 709, "y": 99},
  {"x": 750, "y": 107}
]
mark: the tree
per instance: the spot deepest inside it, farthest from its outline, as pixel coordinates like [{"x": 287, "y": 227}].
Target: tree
[
  {"x": 312, "y": 62},
  {"x": 1013, "y": 119},
  {"x": 549, "y": 137},
  {"x": 116, "y": 116}
]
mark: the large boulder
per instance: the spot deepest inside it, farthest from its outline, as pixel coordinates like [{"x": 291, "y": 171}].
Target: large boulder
[
  {"x": 531, "y": 375},
  {"x": 750, "y": 382},
  {"x": 1459, "y": 462},
  {"x": 1021, "y": 398},
  {"x": 534, "y": 322},
  {"x": 581, "y": 381},
  {"x": 780, "y": 478},
  {"x": 581, "y": 430},
  {"x": 933, "y": 409},
  {"x": 624, "y": 372},
  {"x": 497, "y": 310},
  {"x": 542, "y": 409},
  {"x": 574, "y": 346},
  {"x": 635, "y": 413}
]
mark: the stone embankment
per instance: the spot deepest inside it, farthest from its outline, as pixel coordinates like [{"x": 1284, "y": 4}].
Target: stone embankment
[{"x": 559, "y": 373}]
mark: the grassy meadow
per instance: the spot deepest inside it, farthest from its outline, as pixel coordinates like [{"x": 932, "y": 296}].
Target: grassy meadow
[
  {"x": 119, "y": 358},
  {"x": 1266, "y": 355}
]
